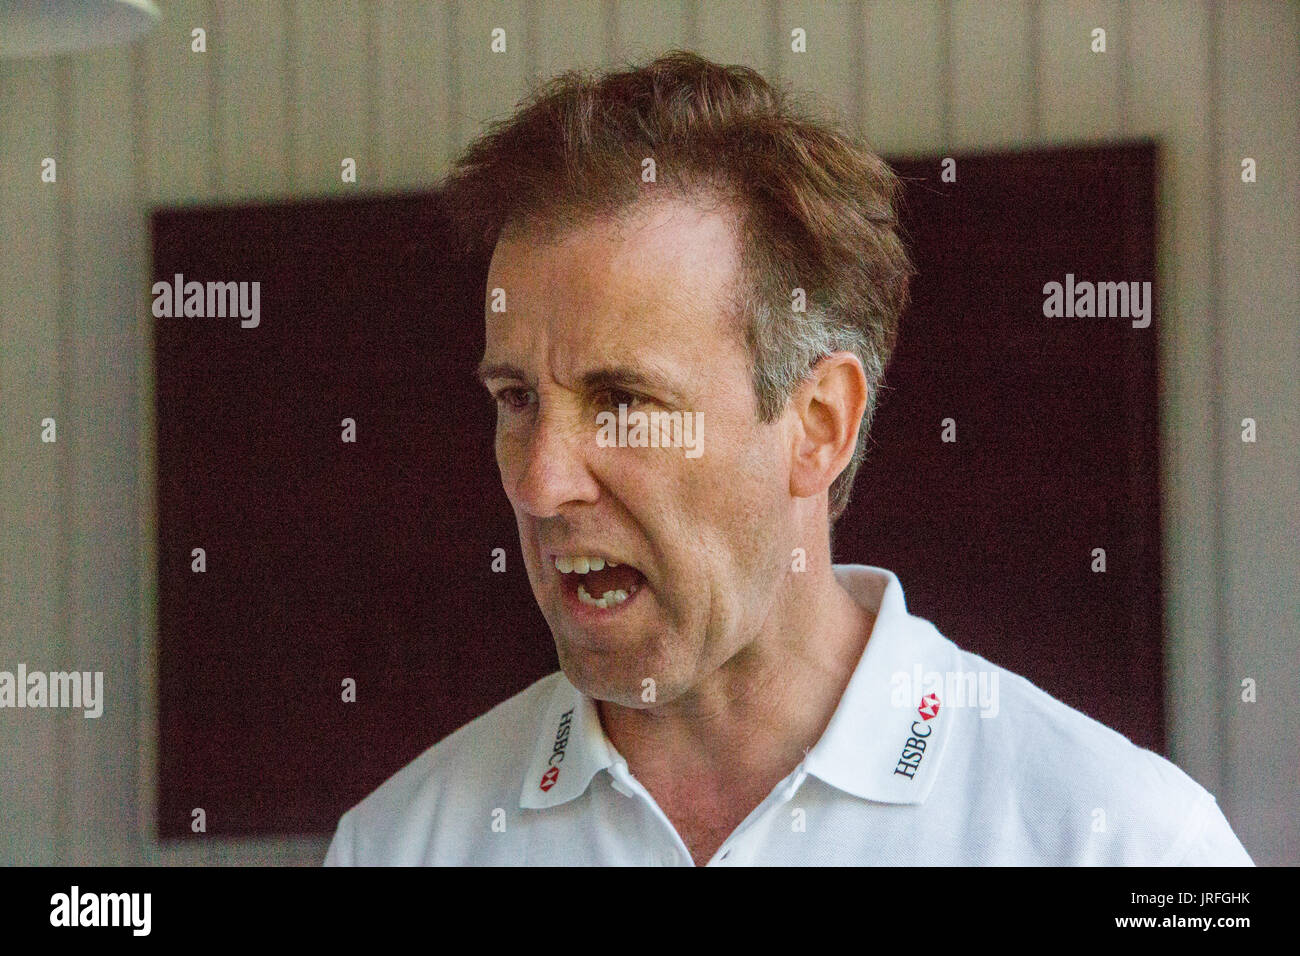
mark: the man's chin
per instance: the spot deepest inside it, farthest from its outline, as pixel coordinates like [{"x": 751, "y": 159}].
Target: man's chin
[{"x": 608, "y": 674}]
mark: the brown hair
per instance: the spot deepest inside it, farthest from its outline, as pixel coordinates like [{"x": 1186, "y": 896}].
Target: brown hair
[{"x": 816, "y": 210}]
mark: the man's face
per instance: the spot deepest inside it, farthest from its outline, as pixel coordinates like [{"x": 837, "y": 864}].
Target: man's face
[{"x": 635, "y": 313}]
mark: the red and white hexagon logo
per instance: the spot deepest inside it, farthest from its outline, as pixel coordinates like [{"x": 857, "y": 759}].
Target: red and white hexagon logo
[
  {"x": 929, "y": 708},
  {"x": 548, "y": 779}
]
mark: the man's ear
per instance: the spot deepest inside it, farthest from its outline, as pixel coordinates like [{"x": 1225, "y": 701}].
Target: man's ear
[{"x": 828, "y": 409}]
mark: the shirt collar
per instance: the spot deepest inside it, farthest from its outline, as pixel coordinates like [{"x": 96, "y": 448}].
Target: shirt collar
[
  {"x": 887, "y": 735},
  {"x": 571, "y": 748},
  {"x": 869, "y": 749}
]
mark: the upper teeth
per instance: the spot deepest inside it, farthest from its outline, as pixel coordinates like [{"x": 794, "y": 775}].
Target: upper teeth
[{"x": 581, "y": 564}]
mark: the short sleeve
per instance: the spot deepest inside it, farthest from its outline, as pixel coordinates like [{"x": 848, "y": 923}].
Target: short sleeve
[{"x": 1208, "y": 839}]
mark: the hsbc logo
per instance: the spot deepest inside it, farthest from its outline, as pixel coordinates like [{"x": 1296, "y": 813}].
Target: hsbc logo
[
  {"x": 929, "y": 708},
  {"x": 552, "y": 773},
  {"x": 914, "y": 749}
]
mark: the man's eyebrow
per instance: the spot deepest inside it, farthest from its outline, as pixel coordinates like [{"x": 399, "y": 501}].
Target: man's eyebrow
[
  {"x": 489, "y": 370},
  {"x": 625, "y": 377}
]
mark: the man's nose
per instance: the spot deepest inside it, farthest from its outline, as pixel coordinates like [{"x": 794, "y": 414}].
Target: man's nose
[{"x": 553, "y": 466}]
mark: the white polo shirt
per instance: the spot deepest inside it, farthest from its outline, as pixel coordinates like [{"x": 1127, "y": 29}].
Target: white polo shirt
[{"x": 934, "y": 756}]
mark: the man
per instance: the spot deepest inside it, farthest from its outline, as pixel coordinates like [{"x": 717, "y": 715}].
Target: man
[{"x": 675, "y": 244}]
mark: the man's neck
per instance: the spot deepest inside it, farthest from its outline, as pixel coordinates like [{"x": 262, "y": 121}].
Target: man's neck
[{"x": 751, "y": 722}]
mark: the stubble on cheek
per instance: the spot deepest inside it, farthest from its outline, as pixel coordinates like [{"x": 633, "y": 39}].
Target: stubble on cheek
[{"x": 752, "y": 537}]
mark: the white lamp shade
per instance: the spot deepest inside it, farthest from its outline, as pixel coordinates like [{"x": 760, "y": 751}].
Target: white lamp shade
[{"x": 49, "y": 27}]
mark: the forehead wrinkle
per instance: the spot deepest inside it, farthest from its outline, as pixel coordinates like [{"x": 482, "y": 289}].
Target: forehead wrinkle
[
  {"x": 624, "y": 295},
  {"x": 601, "y": 350}
]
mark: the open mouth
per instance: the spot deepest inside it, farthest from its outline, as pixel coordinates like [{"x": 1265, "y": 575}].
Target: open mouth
[{"x": 596, "y": 581}]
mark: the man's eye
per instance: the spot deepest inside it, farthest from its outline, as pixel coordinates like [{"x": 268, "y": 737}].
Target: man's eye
[
  {"x": 613, "y": 397},
  {"x": 516, "y": 398}
]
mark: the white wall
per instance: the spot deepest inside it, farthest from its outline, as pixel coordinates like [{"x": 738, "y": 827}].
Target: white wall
[{"x": 289, "y": 87}]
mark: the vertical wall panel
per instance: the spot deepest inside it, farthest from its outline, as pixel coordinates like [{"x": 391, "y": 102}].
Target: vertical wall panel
[
  {"x": 904, "y": 65},
  {"x": 108, "y": 257},
  {"x": 830, "y": 68},
  {"x": 739, "y": 31},
  {"x": 647, "y": 28},
  {"x": 146, "y": 624},
  {"x": 251, "y": 56},
  {"x": 488, "y": 84},
  {"x": 31, "y": 501},
  {"x": 992, "y": 83},
  {"x": 1259, "y": 345},
  {"x": 413, "y": 47},
  {"x": 330, "y": 70},
  {"x": 1169, "y": 99},
  {"x": 198, "y": 120},
  {"x": 177, "y": 152},
  {"x": 1078, "y": 95},
  {"x": 570, "y": 36}
]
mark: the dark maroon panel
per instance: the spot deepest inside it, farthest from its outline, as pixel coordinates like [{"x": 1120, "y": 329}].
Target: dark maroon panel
[
  {"x": 328, "y": 560},
  {"x": 1057, "y": 425}
]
